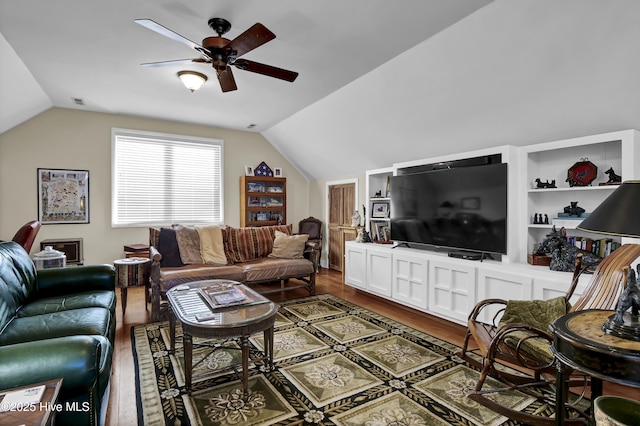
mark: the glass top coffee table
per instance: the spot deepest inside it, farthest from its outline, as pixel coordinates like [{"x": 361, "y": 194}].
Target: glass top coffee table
[{"x": 220, "y": 309}]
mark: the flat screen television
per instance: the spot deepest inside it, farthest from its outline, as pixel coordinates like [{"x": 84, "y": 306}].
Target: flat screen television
[{"x": 460, "y": 208}]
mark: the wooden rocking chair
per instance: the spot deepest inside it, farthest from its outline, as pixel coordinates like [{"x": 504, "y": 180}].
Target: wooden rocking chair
[{"x": 526, "y": 347}]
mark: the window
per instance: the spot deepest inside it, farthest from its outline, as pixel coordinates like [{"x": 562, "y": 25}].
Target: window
[{"x": 161, "y": 179}]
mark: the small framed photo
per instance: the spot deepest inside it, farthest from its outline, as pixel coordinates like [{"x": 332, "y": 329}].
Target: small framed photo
[
  {"x": 277, "y": 172},
  {"x": 248, "y": 171},
  {"x": 380, "y": 210},
  {"x": 471, "y": 203},
  {"x": 63, "y": 196}
]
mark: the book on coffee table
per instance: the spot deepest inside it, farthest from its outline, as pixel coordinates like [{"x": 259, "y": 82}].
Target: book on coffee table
[
  {"x": 220, "y": 299},
  {"x": 229, "y": 296},
  {"x": 19, "y": 399}
]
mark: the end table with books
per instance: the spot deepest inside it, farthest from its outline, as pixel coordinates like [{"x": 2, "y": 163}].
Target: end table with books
[{"x": 33, "y": 404}]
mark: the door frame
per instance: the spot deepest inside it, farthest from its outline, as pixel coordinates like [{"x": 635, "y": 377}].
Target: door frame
[{"x": 326, "y": 213}]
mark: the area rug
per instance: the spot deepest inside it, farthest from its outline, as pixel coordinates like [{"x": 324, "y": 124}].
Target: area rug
[{"x": 335, "y": 363}]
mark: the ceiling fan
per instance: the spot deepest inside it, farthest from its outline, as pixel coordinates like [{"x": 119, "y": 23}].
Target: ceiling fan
[{"x": 221, "y": 53}]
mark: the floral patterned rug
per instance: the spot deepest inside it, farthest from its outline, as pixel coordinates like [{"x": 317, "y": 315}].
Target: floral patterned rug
[{"x": 335, "y": 363}]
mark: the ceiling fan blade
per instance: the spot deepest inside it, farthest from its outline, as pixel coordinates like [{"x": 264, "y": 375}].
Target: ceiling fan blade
[
  {"x": 154, "y": 26},
  {"x": 176, "y": 62},
  {"x": 267, "y": 70},
  {"x": 227, "y": 81},
  {"x": 255, "y": 36}
]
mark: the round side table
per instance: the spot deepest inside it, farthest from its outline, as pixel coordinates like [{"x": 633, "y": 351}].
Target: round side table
[{"x": 131, "y": 272}]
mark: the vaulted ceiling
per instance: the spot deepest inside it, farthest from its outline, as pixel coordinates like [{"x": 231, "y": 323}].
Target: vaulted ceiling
[
  {"x": 93, "y": 51},
  {"x": 380, "y": 81}
]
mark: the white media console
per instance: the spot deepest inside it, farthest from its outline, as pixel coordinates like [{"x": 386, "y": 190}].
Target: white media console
[{"x": 447, "y": 287}]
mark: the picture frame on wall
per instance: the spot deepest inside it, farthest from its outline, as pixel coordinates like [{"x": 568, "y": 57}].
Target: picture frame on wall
[
  {"x": 277, "y": 172},
  {"x": 63, "y": 196},
  {"x": 248, "y": 171},
  {"x": 380, "y": 210}
]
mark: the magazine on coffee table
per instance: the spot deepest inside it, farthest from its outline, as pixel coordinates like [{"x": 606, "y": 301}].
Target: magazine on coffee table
[{"x": 221, "y": 298}]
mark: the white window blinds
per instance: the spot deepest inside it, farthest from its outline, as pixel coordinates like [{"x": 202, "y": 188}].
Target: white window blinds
[{"x": 162, "y": 179}]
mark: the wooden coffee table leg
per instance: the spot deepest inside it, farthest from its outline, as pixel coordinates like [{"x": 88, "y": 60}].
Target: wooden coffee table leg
[
  {"x": 268, "y": 346},
  {"x": 172, "y": 332},
  {"x": 245, "y": 364},
  {"x": 188, "y": 362}
]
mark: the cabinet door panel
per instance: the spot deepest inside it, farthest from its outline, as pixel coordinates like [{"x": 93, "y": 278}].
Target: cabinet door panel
[
  {"x": 379, "y": 272},
  {"x": 503, "y": 285},
  {"x": 451, "y": 289},
  {"x": 355, "y": 265},
  {"x": 410, "y": 280}
]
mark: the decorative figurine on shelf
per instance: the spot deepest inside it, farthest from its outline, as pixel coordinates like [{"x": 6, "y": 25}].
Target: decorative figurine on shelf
[
  {"x": 360, "y": 236},
  {"x": 582, "y": 173},
  {"x": 378, "y": 194},
  {"x": 563, "y": 253},
  {"x": 546, "y": 219},
  {"x": 366, "y": 238},
  {"x": 573, "y": 210},
  {"x": 547, "y": 184},
  {"x": 355, "y": 219},
  {"x": 613, "y": 177},
  {"x": 622, "y": 323}
]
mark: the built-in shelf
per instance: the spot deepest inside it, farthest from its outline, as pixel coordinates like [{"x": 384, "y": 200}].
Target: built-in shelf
[
  {"x": 552, "y": 160},
  {"x": 574, "y": 189},
  {"x": 378, "y": 183}
]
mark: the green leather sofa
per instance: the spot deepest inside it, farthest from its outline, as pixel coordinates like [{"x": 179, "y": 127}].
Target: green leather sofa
[{"x": 58, "y": 323}]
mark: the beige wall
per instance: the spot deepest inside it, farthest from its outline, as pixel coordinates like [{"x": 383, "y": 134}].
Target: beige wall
[{"x": 72, "y": 139}]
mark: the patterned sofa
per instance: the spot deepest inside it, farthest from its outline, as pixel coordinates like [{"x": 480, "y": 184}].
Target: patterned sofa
[{"x": 269, "y": 258}]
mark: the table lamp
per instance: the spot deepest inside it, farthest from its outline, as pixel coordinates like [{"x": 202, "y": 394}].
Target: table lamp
[{"x": 619, "y": 215}]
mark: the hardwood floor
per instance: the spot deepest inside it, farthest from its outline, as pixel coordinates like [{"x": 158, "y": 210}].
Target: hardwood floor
[{"x": 122, "y": 401}]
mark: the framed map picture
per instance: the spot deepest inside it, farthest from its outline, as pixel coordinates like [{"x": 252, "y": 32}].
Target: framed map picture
[{"x": 63, "y": 196}]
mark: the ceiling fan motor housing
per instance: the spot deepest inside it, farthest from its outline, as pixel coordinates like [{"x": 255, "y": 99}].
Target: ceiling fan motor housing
[{"x": 217, "y": 51}]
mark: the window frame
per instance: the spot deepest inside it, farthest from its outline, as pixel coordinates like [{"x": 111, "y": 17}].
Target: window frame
[{"x": 167, "y": 138}]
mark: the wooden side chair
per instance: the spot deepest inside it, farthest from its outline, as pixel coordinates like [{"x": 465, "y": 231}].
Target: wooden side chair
[
  {"x": 312, "y": 227},
  {"x": 522, "y": 341}
]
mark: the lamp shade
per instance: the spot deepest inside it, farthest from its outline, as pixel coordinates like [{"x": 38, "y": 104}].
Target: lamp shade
[
  {"x": 192, "y": 80},
  {"x": 618, "y": 214}
]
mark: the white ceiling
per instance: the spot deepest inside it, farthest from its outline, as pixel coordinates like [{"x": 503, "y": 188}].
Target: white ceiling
[
  {"x": 92, "y": 50},
  {"x": 381, "y": 81}
]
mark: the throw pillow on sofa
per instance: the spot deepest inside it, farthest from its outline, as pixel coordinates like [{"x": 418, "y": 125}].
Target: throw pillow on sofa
[
  {"x": 288, "y": 246},
  {"x": 246, "y": 244},
  {"x": 188, "y": 244},
  {"x": 212, "y": 244},
  {"x": 168, "y": 246}
]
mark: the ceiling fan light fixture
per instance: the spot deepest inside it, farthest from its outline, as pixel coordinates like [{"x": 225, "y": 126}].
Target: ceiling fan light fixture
[{"x": 192, "y": 80}]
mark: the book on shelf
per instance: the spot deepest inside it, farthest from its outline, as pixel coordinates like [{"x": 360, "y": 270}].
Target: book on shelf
[
  {"x": 136, "y": 247},
  {"x": 602, "y": 247}
]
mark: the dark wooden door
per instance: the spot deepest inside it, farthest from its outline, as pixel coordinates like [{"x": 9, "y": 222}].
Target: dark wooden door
[{"x": 341, "y": 208}]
